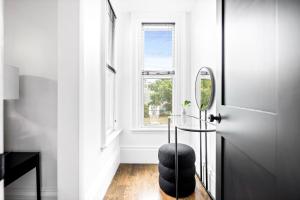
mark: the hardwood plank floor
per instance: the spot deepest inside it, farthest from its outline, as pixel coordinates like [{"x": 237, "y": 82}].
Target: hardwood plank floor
[{"x": 140, "y": 182}]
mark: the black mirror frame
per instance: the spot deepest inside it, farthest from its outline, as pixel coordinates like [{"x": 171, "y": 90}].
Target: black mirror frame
[{"x": 212, "y": 91}]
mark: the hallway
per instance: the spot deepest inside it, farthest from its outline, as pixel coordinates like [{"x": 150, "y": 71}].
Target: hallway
[{"x": 137, "y": 99}]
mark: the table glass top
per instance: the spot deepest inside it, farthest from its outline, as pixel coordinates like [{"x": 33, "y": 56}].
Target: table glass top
[{"x": 191, "y": 123}]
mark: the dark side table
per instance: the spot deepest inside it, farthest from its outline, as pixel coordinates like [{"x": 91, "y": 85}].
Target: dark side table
[
  {"x": 188, "y": 123},
  {"x": 19, "y": 163}
]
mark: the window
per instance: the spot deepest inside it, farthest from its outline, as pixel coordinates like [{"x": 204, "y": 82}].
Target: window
[
  {"x": 110, "y": 73},
  {"x": 157, "y": 73}
]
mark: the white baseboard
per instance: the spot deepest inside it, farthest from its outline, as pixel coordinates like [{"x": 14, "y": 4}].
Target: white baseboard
[
  {"x": 106, "y": 177},
  {"x": 30, "y": 194},
  {"x": 139, "y": 155},
  {"x": 102, "y": 179}
]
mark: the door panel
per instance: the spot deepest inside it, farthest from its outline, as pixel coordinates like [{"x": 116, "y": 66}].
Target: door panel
[
  {"x": 247, "y": 101},
  {"x": 254, "y": 133},
  {"x": 259, "y": 76},
  {"x": 244, "y": 172},
  {"x": 249, "y": 54}
]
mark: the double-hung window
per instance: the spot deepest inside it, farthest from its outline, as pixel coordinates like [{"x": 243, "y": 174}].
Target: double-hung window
[
  {"x": 157, "y": 73},
  {"x": 110, "y": 72}
]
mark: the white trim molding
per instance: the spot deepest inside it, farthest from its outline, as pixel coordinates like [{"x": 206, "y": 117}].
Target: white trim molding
[
  {"x": 139, "y": 154},
  {"x": 30, "y": 194},
  {"x": 111, "y": 137},
  {"x": 182, "y": 69},
  {"x": 104, "y": 177},
  {"x": 152, "y": 130}
]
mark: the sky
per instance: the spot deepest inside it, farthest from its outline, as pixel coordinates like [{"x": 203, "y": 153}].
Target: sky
[{"x": 158, "y": 50}]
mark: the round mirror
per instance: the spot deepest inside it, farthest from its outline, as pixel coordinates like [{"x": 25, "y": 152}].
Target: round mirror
[{"x": 204, "y": 88}]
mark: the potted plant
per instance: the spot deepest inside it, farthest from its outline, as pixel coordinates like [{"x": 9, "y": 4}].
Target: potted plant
[{"x": 185, "y": 105}]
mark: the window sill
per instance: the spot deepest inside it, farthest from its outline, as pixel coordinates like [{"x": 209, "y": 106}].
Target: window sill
[
  {"x": 151, "y": 130},
  {"x": 110, "y": 137}
]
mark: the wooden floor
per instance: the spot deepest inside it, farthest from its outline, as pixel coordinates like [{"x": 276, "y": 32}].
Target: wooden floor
[{"x": 140, "y": 182}]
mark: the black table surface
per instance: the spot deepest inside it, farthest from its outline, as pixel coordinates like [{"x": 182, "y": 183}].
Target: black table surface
[
  {"x": 18, "y": 163},
  {"x": 14, "y": 159}
]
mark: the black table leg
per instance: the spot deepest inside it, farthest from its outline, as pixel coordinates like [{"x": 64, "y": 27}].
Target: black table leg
[
  {"x": 206, "y": 170},
  {"x": 169, "y": 131},
  {"x": 200, "y": 149},
  {"x": 19, "y": 163},
  {"x": 38, "y": 180},
  {"x": 176, "y": 163}
]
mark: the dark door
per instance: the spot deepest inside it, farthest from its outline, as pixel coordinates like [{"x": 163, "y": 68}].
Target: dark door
[
  {"x": 247, "y": 100},
  {"x": 258, "y": 96},
  {"x": 288, "y": 136}
]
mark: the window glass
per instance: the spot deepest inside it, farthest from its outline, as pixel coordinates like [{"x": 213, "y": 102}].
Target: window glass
[
  {"x": 109, "y": 100},
  {"x": 158, "y": 49},
  {"x": 157, "y": 100},
  {"x": 110, "y": 85},
  {"x": 157, "y": 73}
]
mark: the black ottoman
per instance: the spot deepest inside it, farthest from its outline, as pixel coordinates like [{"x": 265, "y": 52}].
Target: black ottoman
[
  {"x": 186, "y": 172},
  {"x": 183, "y": 174}
]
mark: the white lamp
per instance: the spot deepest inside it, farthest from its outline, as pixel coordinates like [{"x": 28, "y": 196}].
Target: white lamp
[{"x": 11, "y": 82}]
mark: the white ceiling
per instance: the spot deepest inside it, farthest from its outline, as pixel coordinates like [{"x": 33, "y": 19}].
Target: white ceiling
[{"x": 152, "y": 5}]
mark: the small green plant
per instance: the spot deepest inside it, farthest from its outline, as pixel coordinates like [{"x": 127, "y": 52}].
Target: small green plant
[{"x": 186, "y": 104}]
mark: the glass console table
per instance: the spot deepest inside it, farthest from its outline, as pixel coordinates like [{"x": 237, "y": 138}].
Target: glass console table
[{"x": 190, "y": 123}]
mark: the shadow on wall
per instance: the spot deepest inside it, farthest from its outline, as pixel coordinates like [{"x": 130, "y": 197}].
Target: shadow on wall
[{"x": 30, "y": 123}]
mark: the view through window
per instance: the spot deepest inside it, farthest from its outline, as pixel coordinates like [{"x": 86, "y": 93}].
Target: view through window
[{"x": 157, "y": 73}]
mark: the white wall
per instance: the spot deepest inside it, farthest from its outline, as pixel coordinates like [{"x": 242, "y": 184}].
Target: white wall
[
  {"x": 1, "y": 91},
  {"x": 68, "y": 100},
  {"x": 85, "y": 170},
  {"x": 31, "y": 121},
  {"x": 140, "y": 145},
  {"x": 153, "y": 5},
  {"x": 97, "y": 166},
  {"x": 204, "y": 54}
]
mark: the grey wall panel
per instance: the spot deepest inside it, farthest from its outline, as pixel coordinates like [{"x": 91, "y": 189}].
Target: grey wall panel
[{"x": 31, "y": 125}]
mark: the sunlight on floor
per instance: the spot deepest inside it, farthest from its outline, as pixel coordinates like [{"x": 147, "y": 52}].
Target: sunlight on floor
[{"x": 140, "y": 182}]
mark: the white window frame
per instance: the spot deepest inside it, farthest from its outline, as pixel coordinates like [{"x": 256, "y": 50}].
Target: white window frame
[
  {"x": 110, "y": 68},
  {"x": 157, "y": 27},
  {"x": 181, "y": 84}
]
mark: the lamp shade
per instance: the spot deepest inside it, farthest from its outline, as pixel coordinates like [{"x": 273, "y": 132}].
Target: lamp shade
[{"x": 11, "y": 82}]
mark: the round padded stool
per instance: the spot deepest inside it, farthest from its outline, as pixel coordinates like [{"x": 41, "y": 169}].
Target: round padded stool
[
  {"x": 184, "y": 189},
  {"x": 183, "y": 174},
  {"x": 186, "y": 172},
  {"x": 186, "y": 155}
]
